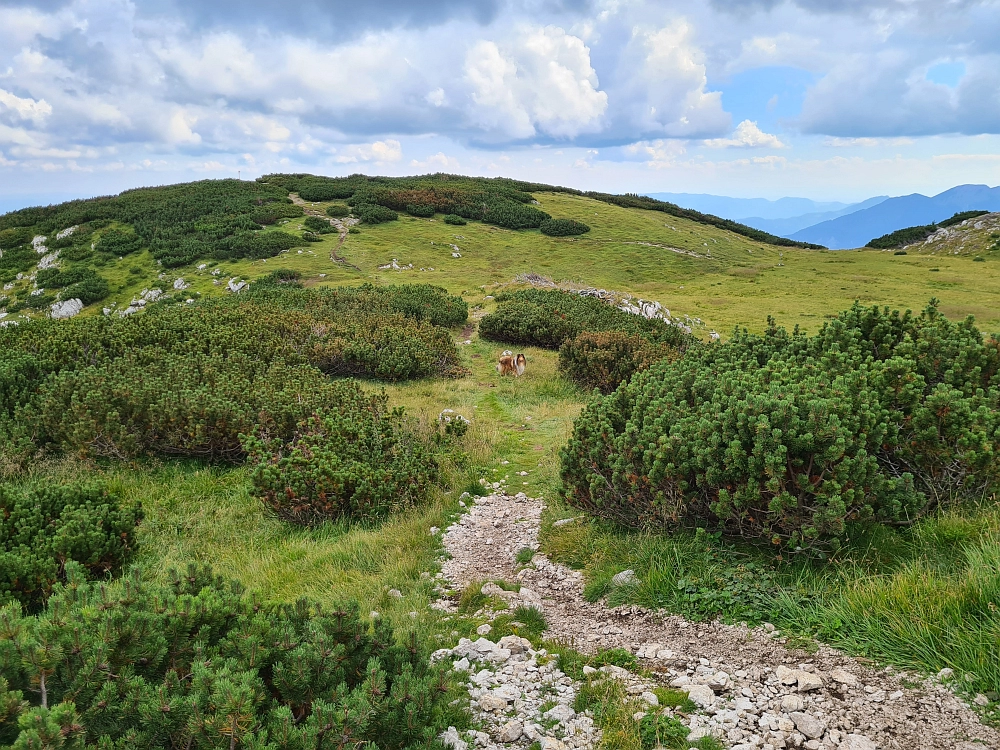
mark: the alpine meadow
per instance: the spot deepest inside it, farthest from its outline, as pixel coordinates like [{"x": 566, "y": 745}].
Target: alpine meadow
[{"x": 264, "y": 484}]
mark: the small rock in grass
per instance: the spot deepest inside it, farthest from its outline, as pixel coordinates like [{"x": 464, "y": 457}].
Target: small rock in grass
[
  {"x": 551, "y": 743},
  {"x": 484, "y": 629},
  {"x": 450, "y": 739},
  {"x": 625, "y": 578},
  {"x": 700, "y": 695},
  {"x": 395, "y": 593},
  {"x": 650, "y": 698}
]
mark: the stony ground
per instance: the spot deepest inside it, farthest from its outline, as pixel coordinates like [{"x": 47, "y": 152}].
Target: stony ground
[{"x": 753, "y": 690}]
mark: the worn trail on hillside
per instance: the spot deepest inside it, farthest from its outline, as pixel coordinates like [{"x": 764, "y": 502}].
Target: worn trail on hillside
[
  {"x": 341, "y": 225},
  {"x": 756, "y": 692}
]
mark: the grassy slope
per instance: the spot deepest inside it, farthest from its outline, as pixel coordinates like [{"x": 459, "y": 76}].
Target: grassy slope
[
  {"x": 880, "y": 589},
  {"x": 735, "y": 282}
]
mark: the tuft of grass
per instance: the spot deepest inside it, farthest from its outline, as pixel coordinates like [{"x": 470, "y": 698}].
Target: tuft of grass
[
  {"x": 524, "y": 555},
  {"x": 676, "y": 699},
  {"x": 527, "y": 622}
]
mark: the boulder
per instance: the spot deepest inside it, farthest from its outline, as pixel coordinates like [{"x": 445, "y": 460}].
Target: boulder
[
  {"x": 66, "y": 308},
  {"x": 808, "y": 725}
]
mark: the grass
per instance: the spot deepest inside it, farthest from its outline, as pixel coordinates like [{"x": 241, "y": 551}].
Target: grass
[{"x": 921, "y": 598}]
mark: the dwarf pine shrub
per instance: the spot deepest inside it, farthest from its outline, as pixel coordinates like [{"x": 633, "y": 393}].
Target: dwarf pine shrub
[
  {"x": 538, "y": 317},
  {"x": 606, "y": 359},
  {"x": 194, "y": 662},
  {"x": 786, "y": 437},
  {"x": 43, "y": 529},
  {"x": 356, "y": 459},
  {"x": 563, "y": 227}
]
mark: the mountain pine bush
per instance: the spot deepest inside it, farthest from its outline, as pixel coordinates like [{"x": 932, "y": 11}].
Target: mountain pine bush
[
  {"x": 563, "y": 227},
  {"x": 880, "y": 416},
  {"x": 371, "y": 213},
  {"x": 189, "y": 380},
  {"x": 420, "y": 209},
  {"x": 196, "y": 663},
  {"x": 606, "y": 359},
  {"x": 43, "y": 529},
  {"x": 537, "y": 317},
  {"x": 354, "y": 459}
]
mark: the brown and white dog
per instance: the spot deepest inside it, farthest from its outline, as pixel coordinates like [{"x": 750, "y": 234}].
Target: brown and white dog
[{"x": 511, "y": 364}]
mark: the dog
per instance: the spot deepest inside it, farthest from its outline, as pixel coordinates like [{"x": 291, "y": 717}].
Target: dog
[{"x": 511, "y": 364}]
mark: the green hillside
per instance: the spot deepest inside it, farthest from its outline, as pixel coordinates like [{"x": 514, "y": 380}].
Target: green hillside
[
  {"x": 201, "y": 401},
  {"x": 200, "y": 236}
]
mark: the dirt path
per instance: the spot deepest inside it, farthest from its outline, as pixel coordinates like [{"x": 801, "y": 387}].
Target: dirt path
[
  {"x": 342, "y": 226},
  {"x": 757, "y": 693}
]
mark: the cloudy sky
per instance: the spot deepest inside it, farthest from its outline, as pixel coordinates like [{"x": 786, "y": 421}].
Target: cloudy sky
[{"x": 829, "y": 99}]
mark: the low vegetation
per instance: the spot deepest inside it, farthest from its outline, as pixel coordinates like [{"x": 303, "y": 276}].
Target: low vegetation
[
  {"x": 195, "y": 662},
  {"x": 357, "y": 460},
  {"x": 880, "y": 416},
  {"x": 45, "y": 528}
]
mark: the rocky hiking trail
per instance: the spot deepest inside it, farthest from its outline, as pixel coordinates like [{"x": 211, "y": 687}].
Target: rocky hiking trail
[
  {"x": 341, "y": 225},
  {"x": 753, "y": 691}
]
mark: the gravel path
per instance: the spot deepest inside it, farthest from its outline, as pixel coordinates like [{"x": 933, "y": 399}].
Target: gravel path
[
  {"x": 341, "y": 225},
  {"x": 756, "y": 693}
]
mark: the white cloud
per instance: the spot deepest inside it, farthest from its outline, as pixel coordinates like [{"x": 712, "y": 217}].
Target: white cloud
[
  {"x": 747, "y": 135},
  {"x": 539, "y": 82},
  {"x": 662, "y": 86},
  {"x": 24, "y": 107},
  {"x": 380, "y": 152},
  {"x": 439, "y": 162},
  {"x": 658, "y": 154}
]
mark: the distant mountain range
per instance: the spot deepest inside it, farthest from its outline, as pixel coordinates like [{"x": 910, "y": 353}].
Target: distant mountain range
[
  {"x": 840, "y": 225},
  {"x": 739, "y": 209},
  {"x": 856, "y": 229}
]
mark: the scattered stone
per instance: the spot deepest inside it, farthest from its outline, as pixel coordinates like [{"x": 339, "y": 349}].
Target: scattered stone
[
  {"x": 395, "y": 593},
  {"x": 236, "y": 286},
  {"x": 66, "y": 309},
  {"x": 809, "y": 725},
  {"x": 700, "y": 695},
  {"x": 857, "y": 742},
  {"x": 625, "y": 578},
  {"x": 843, "y": 677},
  {"x": 790, "y": 703},
  {"x": 484, "y": 629},
  {"x": 511, "y": 732},
  {"x": 450, "y": 738}
]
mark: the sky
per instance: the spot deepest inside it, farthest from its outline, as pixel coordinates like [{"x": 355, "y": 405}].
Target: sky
[{"x": 826, "y": 99}]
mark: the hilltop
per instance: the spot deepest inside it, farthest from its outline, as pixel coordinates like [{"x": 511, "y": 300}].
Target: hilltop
[{"x": 691, "y": 263}]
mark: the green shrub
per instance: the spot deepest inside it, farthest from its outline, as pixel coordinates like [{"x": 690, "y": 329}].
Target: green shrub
[
  {"x": 422, "y": 210},
  {"x": 537, "y": 317},
  {"x": 17, "y": 260},
  {"x": 318, "y": 225},
  {"x": 338, "y": 211},
  {"x": 10, "y": 238},
  {"x": 119, "y": 243},
  {"x": 786, "y": 437},
  {"x": 42, "y": 529},
  {"x": 373, "y": 214},
  {"x": 270, "y": 213},
  {"x": 606, "y": 359},
  {"x": 196, "y": 663},
  {"x": 353, "y": 230},
  {"x": 175, "y": 405},
  {"x": 310, "y": 237},
  {"x": 563, "y": 227},
  {"x": 456, "y": 220},
  {"x": 662, "y": 731},
  {"x": 188, "y": 380},
  {"x": 39, "y": 301},
  {"x": 356, "y": 459},
  {"x": 84, "y": 284}
]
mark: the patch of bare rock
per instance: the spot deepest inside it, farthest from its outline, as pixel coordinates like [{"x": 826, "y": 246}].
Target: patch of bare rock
[{"x": 753, "y": 691}]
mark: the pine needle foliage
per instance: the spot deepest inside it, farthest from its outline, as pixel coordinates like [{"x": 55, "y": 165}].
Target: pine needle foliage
[
  {"x": 42, "y": 529},
  {"x": 189, "y": 380},
  {"x": 881, "y": 416},
  {"x": 358, "y": 460},
  {"x": 197, "y": 663}
]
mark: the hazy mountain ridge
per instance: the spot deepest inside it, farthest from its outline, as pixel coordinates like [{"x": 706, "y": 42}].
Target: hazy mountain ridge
[{"x": 856, "y": 229}]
